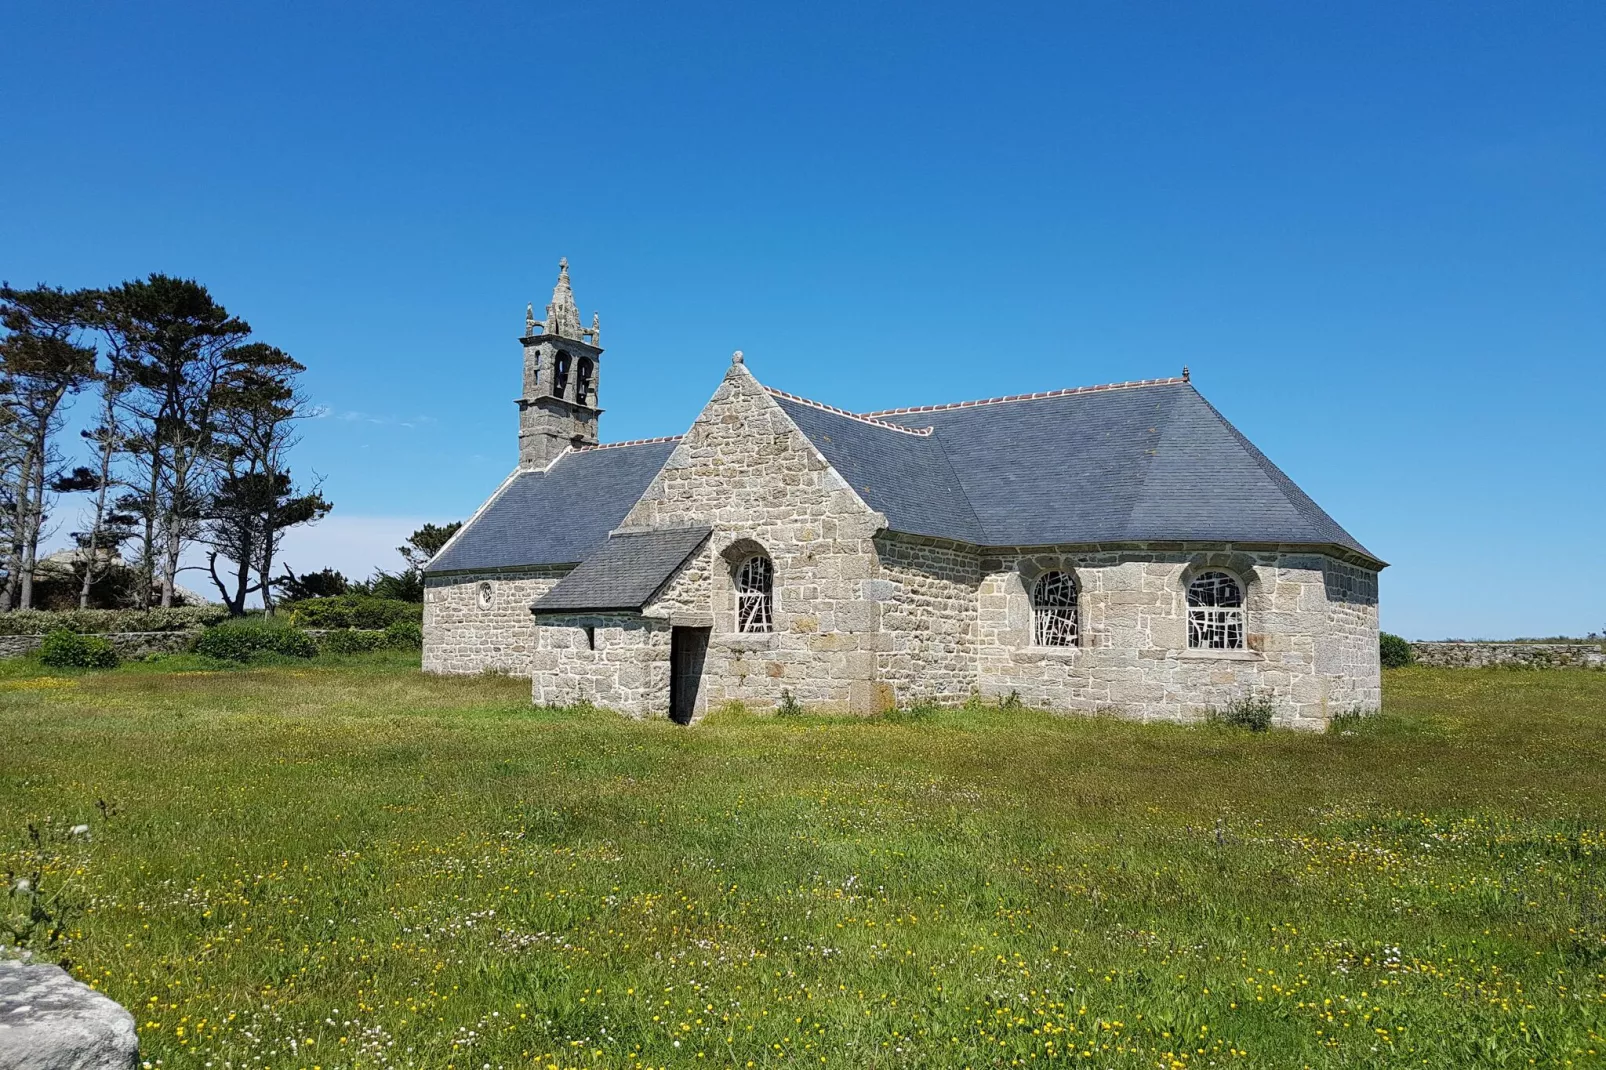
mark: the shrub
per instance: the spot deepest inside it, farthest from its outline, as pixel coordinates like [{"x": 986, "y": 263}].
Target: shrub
[
  {"x": 788, "y": 706},
  {"x": 1251, "y": 712},
  {"x": 351, "y": 641},
  {"x": 354, "y": 611},
  {"x": 1394, "y": 652},
  {"x": 100, "y": 621},
  {"x": 246, "y": 640},
  {"x": 404, "y": 635},
  {"x": 63, "y": 649}
]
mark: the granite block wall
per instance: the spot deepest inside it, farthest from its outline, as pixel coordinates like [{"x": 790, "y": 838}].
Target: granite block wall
[
  {"x": 1311, "y": 642},
  {"x": 745, "y": 469},
  {"x": 479, "y": 622},
  {"x": 1475, "y": 655},
  {"x": 929, "y": 598}
]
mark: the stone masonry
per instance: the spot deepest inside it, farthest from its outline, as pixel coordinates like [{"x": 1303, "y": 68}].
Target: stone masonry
[
  {"x": 745, "y": 469},
  {"x": 1475, "y": 655},
  {"x": 480, "y": 622}
]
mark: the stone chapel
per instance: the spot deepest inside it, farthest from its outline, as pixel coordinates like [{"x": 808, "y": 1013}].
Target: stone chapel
[{"x": 1115, "y": 549}]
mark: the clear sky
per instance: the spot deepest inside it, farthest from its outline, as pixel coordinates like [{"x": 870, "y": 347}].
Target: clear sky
[{"x": 1376, "y": 233}]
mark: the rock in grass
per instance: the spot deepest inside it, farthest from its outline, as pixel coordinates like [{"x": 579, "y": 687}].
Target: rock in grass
[{"x": 48, "y": 1021}]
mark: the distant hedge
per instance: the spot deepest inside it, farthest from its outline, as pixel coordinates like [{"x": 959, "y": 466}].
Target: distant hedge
[
  {"x": 398, "y": 635},
  {"x": 354, "y": 611},
  {"x": 247, "y": 640},
  {"x": 1394, "y": 652},
  {"x": 101, "y": 621},
  {"x": 70, "y": 650}
]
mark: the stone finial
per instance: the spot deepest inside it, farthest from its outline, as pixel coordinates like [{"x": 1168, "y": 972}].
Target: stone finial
[
  {"x": 1185, "y": 373},
  {"x": 562, "y": 317},
  {"x": 530, "y": 321},
  {"x": 596, "y": 330},
  {"x": 736, "y": 357}
]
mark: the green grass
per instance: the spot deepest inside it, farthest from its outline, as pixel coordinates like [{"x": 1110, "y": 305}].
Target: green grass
[{"x": 354, "y": 865}]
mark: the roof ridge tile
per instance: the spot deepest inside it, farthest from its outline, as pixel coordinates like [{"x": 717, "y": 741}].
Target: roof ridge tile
[
  {"x": 1172, "y": 381},
  {"x": 628, "y": 442},
  {"x": 922, "y": 431}
]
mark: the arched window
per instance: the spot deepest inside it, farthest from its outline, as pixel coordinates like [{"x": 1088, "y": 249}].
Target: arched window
[
  {"x": 755, "y": 595},
  {"x": 560, "y": 374},
  {"x": 1215, "y": 612},
  {"x": 582, "y": 381},
  {"x": 1054, "y": 610}
]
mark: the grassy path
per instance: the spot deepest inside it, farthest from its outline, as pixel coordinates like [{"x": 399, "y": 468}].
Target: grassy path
[{"x": 359, "y": 866}]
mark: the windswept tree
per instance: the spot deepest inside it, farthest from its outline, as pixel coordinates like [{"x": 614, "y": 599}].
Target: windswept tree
[
  {"x": 325, "y": 583},
  {"x": 254, "y": 500},
  {"x": 426, "y": 542},
  {"x": 110, "y": 524},
  {"x": 181, "y": 346},
  {"x": 42, "y": 361}
]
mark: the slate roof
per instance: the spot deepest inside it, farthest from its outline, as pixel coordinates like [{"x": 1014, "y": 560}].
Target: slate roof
[
  {"x": 908, "y": 477},
  {"x": 1140, "y": 462},
  {"x": 1131, "y": 463},
  {"x": 556, "y": 516},
  {"x": 625, "y": 572}
]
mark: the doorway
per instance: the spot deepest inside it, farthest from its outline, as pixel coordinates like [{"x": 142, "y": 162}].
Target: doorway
[{"x": 688, "y": 647}]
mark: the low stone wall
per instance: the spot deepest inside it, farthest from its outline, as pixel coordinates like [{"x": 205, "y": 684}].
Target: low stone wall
[
  {"x": 1522, "y": 655},
  {"x": 128, "y": 644}
]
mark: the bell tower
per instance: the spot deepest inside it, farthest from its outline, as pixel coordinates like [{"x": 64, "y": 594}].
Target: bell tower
[{"x": 561, "y": 365}]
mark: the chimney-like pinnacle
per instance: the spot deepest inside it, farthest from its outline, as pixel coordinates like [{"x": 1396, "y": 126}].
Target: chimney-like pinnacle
[{"x": 562, "y": 317}]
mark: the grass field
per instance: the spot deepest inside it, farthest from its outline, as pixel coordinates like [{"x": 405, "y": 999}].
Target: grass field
[{"x": 354, "y": 865}]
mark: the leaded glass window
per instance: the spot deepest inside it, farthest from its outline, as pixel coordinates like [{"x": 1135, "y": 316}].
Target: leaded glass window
[
  {"x": 1215, "y": 612},
  {"x": 755, "y": 595},
  {"x": 1054, "y": 610}
]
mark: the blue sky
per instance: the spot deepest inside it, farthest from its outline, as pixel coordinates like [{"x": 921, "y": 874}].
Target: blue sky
[{"x": 1376, "y": 233}]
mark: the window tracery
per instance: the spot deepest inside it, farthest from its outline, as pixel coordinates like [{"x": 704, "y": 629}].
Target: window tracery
[
  {"x": 1054, "y": 620},
  {"x": 1215, "y": 612},
  {"x": 755, "y": 595}
]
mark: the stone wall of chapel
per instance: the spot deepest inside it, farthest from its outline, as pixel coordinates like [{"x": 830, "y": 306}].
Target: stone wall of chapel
[
  {"x": 1348, "y": 654},
  {"x": 686, "y": 597},
  {"x": 746, "y": 470},
  {"x": 623, "y": 664},
  {"x": 1312, "y": 636},
  {"x": 464, "y": 635},
  {"x": 929, "y": 626}
]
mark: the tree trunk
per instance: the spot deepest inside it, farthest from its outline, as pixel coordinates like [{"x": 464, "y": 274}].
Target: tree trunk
[
  {"x": 19, "y": 534},
  {"x": 170, "y": 565},
  {"x": 108, "y": 450},
  {"x": 242, "y": 590},
  {"x": 147, "y": 553},
  {"x": 265, "y": 563},
  {"x": 36, "y": 521}
]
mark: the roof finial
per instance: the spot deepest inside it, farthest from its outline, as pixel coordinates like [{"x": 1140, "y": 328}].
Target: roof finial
[
  {"x": 1184, "y": 373},
  {"x": 529, "y": 320},
  {"x": 562, "y": 318},
  {"x": 736, "y": 357}
]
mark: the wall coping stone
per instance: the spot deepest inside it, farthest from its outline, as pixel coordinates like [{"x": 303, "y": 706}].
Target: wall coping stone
[{"x": 1475, "y": 654}]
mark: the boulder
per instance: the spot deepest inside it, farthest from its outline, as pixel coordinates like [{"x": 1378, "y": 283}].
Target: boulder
[{"x": 48, "y": 1021}]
